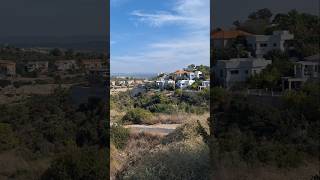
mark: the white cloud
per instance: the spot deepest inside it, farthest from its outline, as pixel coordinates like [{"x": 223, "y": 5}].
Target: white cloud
[
  {"x": 191, "y": 47},
  {"x": 160, "y": 18},
  {"x": 192, "y": 13}
]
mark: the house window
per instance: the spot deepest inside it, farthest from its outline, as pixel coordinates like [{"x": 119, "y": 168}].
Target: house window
[
  {"x": 274, "y": 44},
  {"x": 234, "y": 71},
  {"x": 221, "y": 73},
  {"x": 247, "y": 71}
]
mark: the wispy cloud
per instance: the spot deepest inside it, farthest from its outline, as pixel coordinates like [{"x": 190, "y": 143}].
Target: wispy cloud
[
  {"x": 160, "y": 18},
  {"x": 191, "y": 13},
  {"x": 191, "y": 47}
]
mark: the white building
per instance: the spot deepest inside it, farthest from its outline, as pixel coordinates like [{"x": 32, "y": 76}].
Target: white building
[
  {"x": 308, "y": 69},
  {"x": 184, "y": 83},
  {"x": 164, "y": 83},
  {"x": 190, "y": 75},
  {"x": 41, "y": 66},
  {"x": 64, "y": 65},
  {"x": 262, "y": 44},
  {"x": 204, "y": 84},
  {"x": 198, "y": 74},
  {"x": 229, "y": 72}
]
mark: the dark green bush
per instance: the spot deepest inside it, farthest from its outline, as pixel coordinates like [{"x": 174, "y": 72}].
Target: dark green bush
[
  {"x": 162, "y": 108},
  {"x": 81, "y": 164},
  {"x": 137, "y": 116},
  {"x": 119, "y": 136},
  {"x": 8, "y": 140}
]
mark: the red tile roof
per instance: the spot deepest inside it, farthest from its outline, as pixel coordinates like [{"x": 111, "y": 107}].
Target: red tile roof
[
  {"x": 180, "y": 72},
  {"x": 231, "y": 34}
]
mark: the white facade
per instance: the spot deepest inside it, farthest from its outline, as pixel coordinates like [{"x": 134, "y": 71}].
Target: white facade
[
  {"x": 64, "y": 65},
  {"x": 162, "y": 83},
  {"x": 191, "y": 75},
  {"x": 198, "y": 74},
  {"x": 309, "y": 69},
  {"x": 262, "y": 44},
  {"x": 206, "y": 83},
  {"x": 184, "y": 83},
  {"x": 306, "y": 69},
  {"x": 37, "y": 65},
  {"x": 229, "y": 72}
]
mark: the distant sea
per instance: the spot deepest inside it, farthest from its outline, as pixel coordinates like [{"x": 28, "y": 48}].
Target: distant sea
[{"x": 135, "y": 75}]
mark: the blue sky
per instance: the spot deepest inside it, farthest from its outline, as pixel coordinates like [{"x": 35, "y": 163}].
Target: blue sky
[{"x": 151, "y": 36}]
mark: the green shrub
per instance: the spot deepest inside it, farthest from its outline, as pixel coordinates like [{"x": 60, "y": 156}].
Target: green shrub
[
  {"x": 137, "y": 116},
  {"x": 162, "y": 108},
  {"x": 119, "y": 136},
  {"x": 8, "y": 140},
  {"x": 89, "y": 164}
]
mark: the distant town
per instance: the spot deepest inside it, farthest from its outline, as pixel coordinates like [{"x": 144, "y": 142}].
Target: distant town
[
  {"x": 30, "y": 71},
  {"x": 192, "y": 78}
]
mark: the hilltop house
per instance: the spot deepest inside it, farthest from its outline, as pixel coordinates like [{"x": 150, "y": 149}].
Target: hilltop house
[
  {"x": 40, "y": 66},
  {"x": 190, "y": 75},
  {"x": 7, "y": 68},
  {"x": 65, "y": 65},
  {"x": 307, "y": 69},
  {"x": 229, "y": 72},
  {"x": 180, "y": 73},
  {"x": 204, "y": 84},
  {"x": 162, "y": 83},
  {"x": 184, "y": 83},
  {"x": 262, "y": 44},
  {"x": 222, "y": 39}
]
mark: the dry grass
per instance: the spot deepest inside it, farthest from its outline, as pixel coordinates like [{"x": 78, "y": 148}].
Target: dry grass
[
  {"x": 12, "y": 165},
  {"x": 115, "y": 116},
  {"x": 146, "y": 150},
  {"x": 304, "y": 172},
  {"x": 138, "y": 146},
  {"x": 178, "y": 118}
]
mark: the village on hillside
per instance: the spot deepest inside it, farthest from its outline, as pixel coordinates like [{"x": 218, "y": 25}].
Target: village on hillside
[{"x": 191, "y": 78}]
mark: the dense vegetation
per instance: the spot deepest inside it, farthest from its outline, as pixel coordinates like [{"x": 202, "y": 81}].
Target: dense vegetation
[
  {"x": 74, "y": 139},
  {"x": 140, "y": 108},
  {"x": 259, "y": 133}
]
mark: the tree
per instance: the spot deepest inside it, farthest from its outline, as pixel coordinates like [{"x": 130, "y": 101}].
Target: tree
[
  {"x": 70, "y": 54},
  {"x": 56, "y": 52},
  {"x": 81, "y": 164},
  {"x": 262, "y": 14}
]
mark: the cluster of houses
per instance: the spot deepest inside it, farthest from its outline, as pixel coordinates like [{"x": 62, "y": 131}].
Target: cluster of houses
[
  {"x": 227, "y": 73},
  {"x": 90, "y": 66},
  {"x": 181, "y": 79},
  {"x": 126, "y": 82}
]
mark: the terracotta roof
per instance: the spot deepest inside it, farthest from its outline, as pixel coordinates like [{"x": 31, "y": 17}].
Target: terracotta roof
[
  {"x": 180, "y": 72},
  {"x": 229, "y": 34}
]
